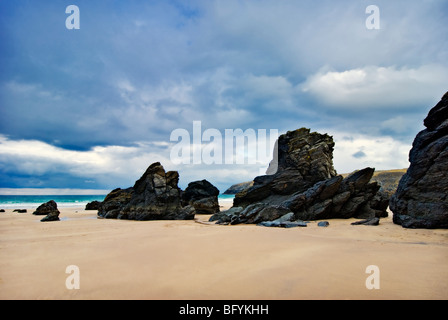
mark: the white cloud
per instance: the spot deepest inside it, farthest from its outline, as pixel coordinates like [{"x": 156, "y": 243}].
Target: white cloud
[
  {"x": 112, "y": 165},
  {"x": 399, "y": 124},
  {"x": 31, "y": 90},
  {"x": 358, "y": 151},
  {"x": 378, "y": 87}
]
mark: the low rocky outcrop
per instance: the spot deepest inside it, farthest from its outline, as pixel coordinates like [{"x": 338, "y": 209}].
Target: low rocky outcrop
[
  {"x": 94, "y": 205},
  {"x": 156, "y": 196},
  {"x": 367, "y": 222},
  {"x": 305, "y": 186},
  {"x": 239, "y": 187},
  {"x": 203, "y": 196},
  {"x": 387, "y": 179},
  {"x": 49, "y": 210},
  {"x": 421, "y": 199}
]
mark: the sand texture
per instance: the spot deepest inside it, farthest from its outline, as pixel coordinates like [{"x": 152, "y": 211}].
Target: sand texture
[{"x": 200, "y": 260}]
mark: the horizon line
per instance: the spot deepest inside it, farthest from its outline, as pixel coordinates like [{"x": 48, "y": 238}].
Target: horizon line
[{"x": 52, "y": 192}]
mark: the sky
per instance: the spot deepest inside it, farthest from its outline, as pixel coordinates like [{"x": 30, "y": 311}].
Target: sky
[{"x": 92, "y": 108}]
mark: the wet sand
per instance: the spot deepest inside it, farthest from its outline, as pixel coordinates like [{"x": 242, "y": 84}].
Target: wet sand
[{"x": 200, "y": 260}]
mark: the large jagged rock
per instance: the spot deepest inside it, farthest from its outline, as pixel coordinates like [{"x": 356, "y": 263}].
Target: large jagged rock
[
  {"x": 155, "y": 196},
  {"x": 305, "y": 186},
  {"x": 421, "y": 200},
  {"x": 303, "y": 158},
  {"x": 354, "y": 196}
]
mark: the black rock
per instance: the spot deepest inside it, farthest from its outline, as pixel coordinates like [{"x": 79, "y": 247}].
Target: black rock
[
  {"x": 239, "y": 187},
  {"x": 2, "y": 210},
  {"x": 203, "y": 196},
  {"x": 304, "y": 182},
  {"x": 293, "y": 224},
  {"x": 94, "y": 205},
  {"x": 50, "y": 217},
  {"x": 304, "y": 158},
  {"x": 323, "y": 224},
  {"x": 50, "y": 209},
  {"x": 225, "y": 217},
  {"x": 284, "y": 224},
  {"x": 47, "y": 208},
  {"x": 421, "y": 198},
  {"x": 367, "y": 222},
  {"x": 20, "y": 210},
  {"x": 155, "y": 196}
]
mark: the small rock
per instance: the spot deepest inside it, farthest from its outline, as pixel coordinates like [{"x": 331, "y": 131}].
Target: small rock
[
  {"x": 226, "y": 216},
  {"x": 293, "y": 224},
  {"x": 50, "y": 217},
  {"x": 367, "y": 222},
  {"x": 2, "y": 210},
  {"x": 47, "y": 208},
  {"x": 20, "y": 210},
  {"x": 323, "y": 224},
  {"x": 282, "y": 224},
  {"x": 50, "y": 209}
]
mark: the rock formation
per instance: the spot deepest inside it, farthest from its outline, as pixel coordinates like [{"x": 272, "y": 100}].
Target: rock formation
[
  {"x": 203, "y": 196},
  {"x": 421, "y": 200},
  {"x": 239, "y": 187},
  {"x": 305, "y": 186},
  {"x": 303, "y": 159},
  {"x": 94, "y": 205},
  {"x": 156, "y": 196},
  {"x": 309, "y": 153},
  {"x": 114, "y": 203},
  {"x": 48, "y": 209}
]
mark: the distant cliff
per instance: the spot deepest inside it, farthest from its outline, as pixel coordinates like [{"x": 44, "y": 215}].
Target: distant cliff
[
  {"x": 388, "y": 180},
  {"x": 236, "y": 188}
]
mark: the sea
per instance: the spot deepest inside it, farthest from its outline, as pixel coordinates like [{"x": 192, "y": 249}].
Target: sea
[{"x": 63, "y": 201}]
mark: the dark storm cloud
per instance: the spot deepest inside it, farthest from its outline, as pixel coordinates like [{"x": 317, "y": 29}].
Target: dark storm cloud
[{"x": 137, "y": 70}]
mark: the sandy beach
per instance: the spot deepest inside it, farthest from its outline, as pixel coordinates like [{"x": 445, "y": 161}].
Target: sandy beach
[{"x": 200, "y": 260}]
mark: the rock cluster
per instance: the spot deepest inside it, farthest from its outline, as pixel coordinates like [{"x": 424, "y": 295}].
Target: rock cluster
[
  {"x": 421, "y": 199},
  {"x": 305, "y": 186},
  {"x": 156, "y": 196},
  {"x": 49, "y": 210},
  {"x": 303, "y": 158}
]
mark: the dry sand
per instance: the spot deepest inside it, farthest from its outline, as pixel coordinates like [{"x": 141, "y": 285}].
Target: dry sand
[{"x": 193, "y": 260}]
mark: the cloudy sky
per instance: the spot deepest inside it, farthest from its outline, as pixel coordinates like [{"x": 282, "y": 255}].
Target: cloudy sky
[{"x": 92, "y": 108}]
